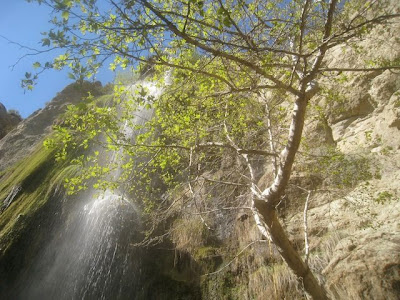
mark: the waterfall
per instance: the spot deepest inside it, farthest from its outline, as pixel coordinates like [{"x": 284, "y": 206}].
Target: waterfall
[{"x": 89, "y": 254}]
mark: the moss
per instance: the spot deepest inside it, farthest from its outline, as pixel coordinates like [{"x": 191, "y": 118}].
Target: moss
[
  {"x": 163, "y": 287},
  {"x": 28, "y": 221},
  {"x": 222, "y": 285},
  {"x": 205, "y": 252},
  {"x": 189, "y": 234},
  {"x": 208, "y": 258},
  {"x": 22, "y": 204},
  {"x": 27, "y": 172},
  {"x": 34, "y": 176},
  {"x": 59, "y": 179}
]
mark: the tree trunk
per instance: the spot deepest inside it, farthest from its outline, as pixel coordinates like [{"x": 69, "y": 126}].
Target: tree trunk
[{"x": 288, "y": 253}]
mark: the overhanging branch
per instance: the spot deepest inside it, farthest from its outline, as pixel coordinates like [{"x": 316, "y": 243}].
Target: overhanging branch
[{"x": 359, "y": 69}]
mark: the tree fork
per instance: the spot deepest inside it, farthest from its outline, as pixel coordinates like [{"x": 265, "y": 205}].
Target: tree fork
[{"x": 265, "y": 202}]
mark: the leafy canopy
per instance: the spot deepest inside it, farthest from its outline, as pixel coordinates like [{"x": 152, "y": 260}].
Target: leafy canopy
[
  {"x": 232, "y": 67},
  {"x": 253, "y": 43}
]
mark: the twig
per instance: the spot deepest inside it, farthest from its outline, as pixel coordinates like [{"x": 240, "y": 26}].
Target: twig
[
  {"x": 306, "y": 244},
  {"x": 221, "y": 209},
  {"x": 271, "y": 137},
  {"x": 384, "y": 68},
  {"x": 223, "y": 182},
  {"x": 192, "y": 191},
  {"x": 231, "y": 261}
]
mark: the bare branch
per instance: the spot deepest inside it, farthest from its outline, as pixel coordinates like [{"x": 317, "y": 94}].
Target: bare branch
[
  {"x": 222, "y": 209},
  {"x": 236, "y": 148},
  {"x": 324, "y": 46},
  {"x": 384, "y": 68},
  {"x": 194, "y": 196},
  {"x": 168, "y": 64},
  {"x": 198, "y": 147},
  {"x": 236, "y": 256},
  {"x": 223, "y": 182},
  {"x": 245, "y": 38},
  {"x": 306, "y": 244}
]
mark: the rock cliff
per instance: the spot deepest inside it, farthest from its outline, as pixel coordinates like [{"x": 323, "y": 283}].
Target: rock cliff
[{"x": 21, "y": 141}]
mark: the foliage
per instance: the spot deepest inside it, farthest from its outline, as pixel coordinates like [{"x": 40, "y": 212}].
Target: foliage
[
  {"x": 277, "y": 281},
  {"x": 227, "y": 33},
  {"x": 383, "y": 197},
  {"x": 189, "y": 235},
  {"x": 158, "y": 149},
  {"x": 340, "y": 170}
]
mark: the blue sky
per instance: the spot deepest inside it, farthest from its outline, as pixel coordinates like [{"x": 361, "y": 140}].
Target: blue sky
[{"x": 22, "y": 22}]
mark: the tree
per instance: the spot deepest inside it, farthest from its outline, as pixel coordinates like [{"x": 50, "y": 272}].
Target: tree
[{"x": 233, "y": 64}]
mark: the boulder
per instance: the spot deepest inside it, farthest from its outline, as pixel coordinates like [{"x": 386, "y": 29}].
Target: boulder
[{"x": 8, "y": 120}]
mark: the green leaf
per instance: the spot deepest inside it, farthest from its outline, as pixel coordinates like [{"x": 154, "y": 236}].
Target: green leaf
[
  {"x": 227, "y": 22},
  {"x": 81, "y": 106},
  {"x": 65, "y": 15},
  {"x": 46, "y": 42},
  {"x": 112, "y": 67}
]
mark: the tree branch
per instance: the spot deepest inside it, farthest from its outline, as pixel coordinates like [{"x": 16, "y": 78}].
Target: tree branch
[
  {"x": 216, "y": 52},
  {"x": 384, "y": 68},
  {"x": 223, "y": 182},
  {"x": 324, "y": 46},
  {"x": 306, "y": 244},
  {"x": 236, "y": 256}
]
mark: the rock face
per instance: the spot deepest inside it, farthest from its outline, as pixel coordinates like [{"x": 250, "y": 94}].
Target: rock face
[
  {"x": 356, "y": 228},
  {"x": 365, "y": 262},
  {"x": 20, "y": 141},
  {"x": 8, "y": 121}
]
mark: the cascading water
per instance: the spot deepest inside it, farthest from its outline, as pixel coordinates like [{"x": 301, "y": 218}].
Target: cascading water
[
  {"x": 90, "y": 253},
  {"x": 90, "y": 256}
]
